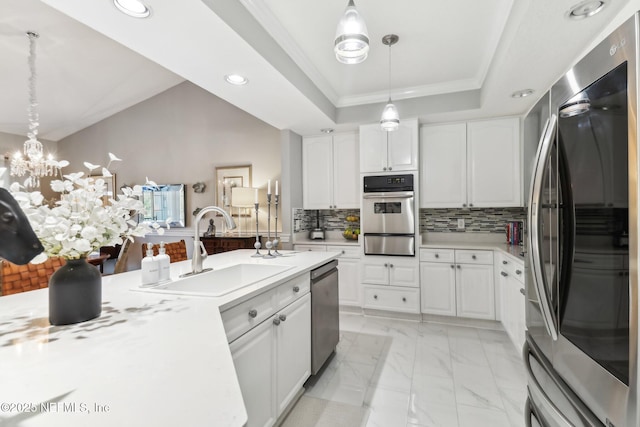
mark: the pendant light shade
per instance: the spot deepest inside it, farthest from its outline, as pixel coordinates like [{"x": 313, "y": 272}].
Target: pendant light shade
[
  {"x": 352, "y": 40},
  {"x": 390, "y": 119}
]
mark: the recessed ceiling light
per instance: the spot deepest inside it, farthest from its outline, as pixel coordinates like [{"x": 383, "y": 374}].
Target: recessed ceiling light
[
  {"x": 236, "y": 79},
  {"x": 133, "y": 8},
  {"x": 586, "y": 9},
  {"x": 522, "y": 93},
  {"x": 326, "y": 130}
]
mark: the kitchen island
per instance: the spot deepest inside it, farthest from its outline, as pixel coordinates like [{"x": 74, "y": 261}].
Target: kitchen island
[{"x": 157, "y": 359}]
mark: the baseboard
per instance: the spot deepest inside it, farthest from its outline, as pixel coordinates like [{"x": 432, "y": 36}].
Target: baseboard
[
  {"x": 289, "y": 407},
  {"x": 461, "y": 321},
  {"x": 392, "y": 314},
  {"x": 351, "y": 309}
]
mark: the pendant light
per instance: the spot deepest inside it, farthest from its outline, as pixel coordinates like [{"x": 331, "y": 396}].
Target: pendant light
[
  {"x": 352, "y": 41},
  {"x": 390, "y": 119}
]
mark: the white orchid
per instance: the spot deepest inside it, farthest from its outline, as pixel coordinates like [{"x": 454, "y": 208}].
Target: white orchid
[{"x": 83, "y": 220}]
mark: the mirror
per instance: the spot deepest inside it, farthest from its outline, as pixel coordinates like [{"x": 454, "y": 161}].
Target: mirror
[{"x": 165, "y": 201}]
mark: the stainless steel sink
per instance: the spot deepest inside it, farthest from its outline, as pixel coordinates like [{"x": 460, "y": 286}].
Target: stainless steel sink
[{"x": 219, "y": 281}]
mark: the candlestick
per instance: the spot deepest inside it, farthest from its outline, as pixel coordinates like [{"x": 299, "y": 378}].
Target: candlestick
[
  {"x": 275, "y": 239},
  {"x": 269, "y": 244},
  {"x": 256, "y": 197},
  {"x": 269, "y": 187},
  {"x": 257, "y": 243}
]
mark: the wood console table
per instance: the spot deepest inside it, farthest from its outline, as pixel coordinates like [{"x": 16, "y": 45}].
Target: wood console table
[{"x": 218, "y": 244}]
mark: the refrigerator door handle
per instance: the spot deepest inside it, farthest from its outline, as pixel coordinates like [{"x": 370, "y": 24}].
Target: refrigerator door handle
[{"x": 539, "y": 279}]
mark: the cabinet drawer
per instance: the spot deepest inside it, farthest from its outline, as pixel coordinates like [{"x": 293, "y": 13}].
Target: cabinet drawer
[
  {"x": 474, "y": 257},
  {"x": 320, "y": 248},
  {"x": 512, "y": 268},
  {"x": 346, "y": 251},
  {"x": 239, "y": 319},
  {"x": 437, "y": 255},
  {"x": 392, "y": 298},
  {"x": 293, "y": 289}
]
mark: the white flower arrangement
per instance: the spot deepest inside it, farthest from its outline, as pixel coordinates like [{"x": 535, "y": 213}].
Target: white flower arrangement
[{"x": 80, "y": 222}]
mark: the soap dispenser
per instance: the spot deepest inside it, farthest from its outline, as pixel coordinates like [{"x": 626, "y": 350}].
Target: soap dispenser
[
  {"x": 150, "y": 268},
  {"x": 163, "y": 264}
]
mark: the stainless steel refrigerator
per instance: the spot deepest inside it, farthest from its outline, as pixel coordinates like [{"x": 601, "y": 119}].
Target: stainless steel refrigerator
[{"x": 581, "y": 352}]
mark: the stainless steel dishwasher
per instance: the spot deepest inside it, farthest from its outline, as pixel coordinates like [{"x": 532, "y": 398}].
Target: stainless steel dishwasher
[{"x": 325, "y": 321}]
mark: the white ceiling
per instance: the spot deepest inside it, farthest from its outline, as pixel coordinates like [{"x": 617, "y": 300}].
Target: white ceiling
[{"x": 456, "y": 60}]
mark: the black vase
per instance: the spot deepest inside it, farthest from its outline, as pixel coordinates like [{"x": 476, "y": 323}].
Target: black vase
[{"x": 75, "y": 293}]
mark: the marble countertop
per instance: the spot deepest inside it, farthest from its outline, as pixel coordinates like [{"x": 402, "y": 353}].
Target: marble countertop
[{"x": 149, "y": 359}]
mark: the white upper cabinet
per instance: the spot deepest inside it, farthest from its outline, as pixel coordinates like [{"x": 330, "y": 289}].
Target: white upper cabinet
[
  {"x": 443, "y": 165},
  {"x": 475, "y": 164},
  {"x": 493, "y": 163},
  {"x": 382, "y": 151},
  {"x": 330, "y": 174}
]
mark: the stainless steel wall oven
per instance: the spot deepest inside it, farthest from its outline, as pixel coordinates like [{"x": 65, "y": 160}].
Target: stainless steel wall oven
[{"x": 388, "y": 219}]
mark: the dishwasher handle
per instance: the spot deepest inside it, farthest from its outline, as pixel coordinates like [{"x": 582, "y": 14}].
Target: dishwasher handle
[{"x": 318, "y": 273}]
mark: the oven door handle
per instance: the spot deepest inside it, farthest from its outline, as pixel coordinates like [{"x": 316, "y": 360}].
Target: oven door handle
[
  {"x": 535, "y": 209},
  {"x": 389, "y": 195}
]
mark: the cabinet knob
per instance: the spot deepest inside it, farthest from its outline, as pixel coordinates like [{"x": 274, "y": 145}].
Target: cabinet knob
[
  {"x": 464, "y": 205},
  {"x": 391, "y": 265},
  {"x": 386, "y": 265},
  {"x": 518, "y": 272},
  {"x": 470, "y": 205},
  {"x": 505, "y": 262},
  {"x": 343, "y": 252},
  {"x": 437, "y": 255},
  {"x": 384, "y": 169},
  {"x": 276, "y": 321},
  {"x": 504, "y": 274},
  {"x": 404, "y": 299},
  {"x": 473, "y": 257},
  {"x": 296, "y": 289},
  {"x": 375, "y": 297},
  {"x": 522, "y": 291},
  {"x": 253, "y": 313},
  {"x": 453, "y": 266},
  {"x": 458, "y": 266},
  {"x": 390, "y": 168},
  {"x": 282, "y": 317}
]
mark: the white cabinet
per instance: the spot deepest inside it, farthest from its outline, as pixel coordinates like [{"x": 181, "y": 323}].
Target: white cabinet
[
  {"x": 390, "y": 283},
  {"x": 348, "y": 274},
  {"x": 273, "y": 358},
  {"x": 510, "y": 277},
  {"x": 382, "y": 151},
  {"x": 330, "y": 175},
  {"x": 457, "y": 283},
  {"x": 475, "y": 164}
]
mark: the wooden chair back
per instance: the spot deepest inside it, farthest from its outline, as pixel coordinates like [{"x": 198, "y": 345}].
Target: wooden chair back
[
  {"x": 177, "y": 251},
  {"x": 21, "y": 278}
]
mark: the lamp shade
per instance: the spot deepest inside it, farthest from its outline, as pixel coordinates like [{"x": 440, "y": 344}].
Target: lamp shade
[
  {"x": 242, "y": 197},
  {"x": 390, "y": 119},
  {"x": 352, "y": 40}
]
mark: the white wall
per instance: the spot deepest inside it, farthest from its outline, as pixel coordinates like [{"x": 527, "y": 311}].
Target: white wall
[{"x": 179, "y": 137}]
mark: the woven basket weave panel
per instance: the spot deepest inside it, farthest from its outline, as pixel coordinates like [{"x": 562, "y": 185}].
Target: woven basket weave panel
[
  {"x": 21, "y": 278},
  {"x": 177, "y": 251}
]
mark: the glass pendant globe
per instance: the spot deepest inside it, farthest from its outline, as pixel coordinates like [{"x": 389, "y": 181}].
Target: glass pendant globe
[
  {"x": 352, "y": 40},
  {"x": 390, "y": 119}
]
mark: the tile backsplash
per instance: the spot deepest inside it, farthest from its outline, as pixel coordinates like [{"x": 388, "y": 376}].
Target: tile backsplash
[{"x": 476, "y": 220}]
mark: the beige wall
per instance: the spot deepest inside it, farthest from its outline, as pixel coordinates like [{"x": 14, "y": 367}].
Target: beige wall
[{"x": 179, "y": 137}]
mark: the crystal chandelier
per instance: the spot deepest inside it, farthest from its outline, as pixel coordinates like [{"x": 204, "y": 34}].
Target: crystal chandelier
[{"x": 33, "y": 164}]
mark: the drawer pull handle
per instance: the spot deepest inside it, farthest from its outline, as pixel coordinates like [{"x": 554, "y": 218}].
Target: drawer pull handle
[
  {"x": 404, "y": 299},
  {"x": 504, "y": 274},
  {"x": 522, "y": 291},
  {"x": 375, "y": 297},
  {"x": 296, "y": 289},
  {"x": 473, "y": 257},
  {"x": 518, "y": 272},
  {"x": 505, "y": 262},
  {"x": 282, "y": 317},
  {"x": 253, "y": 313},
  {"x": 276, "y": 321},
  {"x": 437, "y": 255}
]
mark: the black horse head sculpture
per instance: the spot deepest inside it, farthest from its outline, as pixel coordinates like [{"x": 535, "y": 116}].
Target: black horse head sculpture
[{"x": 18, "y": 243}]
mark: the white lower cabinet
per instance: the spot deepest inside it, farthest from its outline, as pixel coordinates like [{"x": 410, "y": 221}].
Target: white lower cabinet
[
  {"x": 510, "y": 276},
  {"x": 273, "y": 358},
  {"x": 457, "y": 283},
  {"x": 391, "y": 283}
]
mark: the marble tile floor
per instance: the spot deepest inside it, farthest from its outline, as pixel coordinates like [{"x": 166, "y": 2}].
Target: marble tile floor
[{"x": 412, "y": 374}]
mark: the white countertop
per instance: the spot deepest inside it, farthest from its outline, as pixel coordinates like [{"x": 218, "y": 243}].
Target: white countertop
[
  {"x": 468, "y": 241},
  {"x": 149, "y": 359}
]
